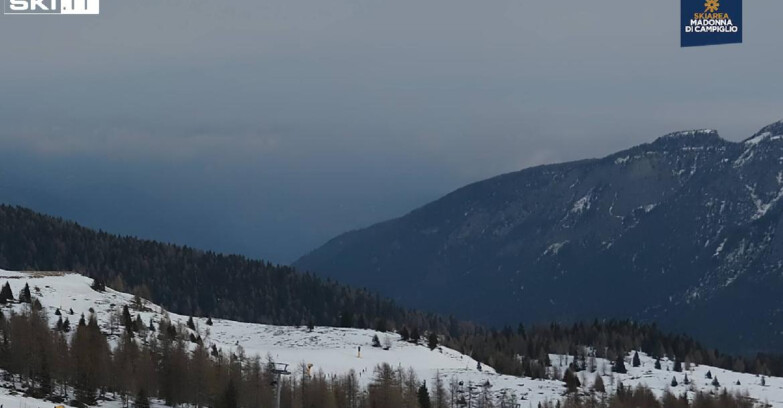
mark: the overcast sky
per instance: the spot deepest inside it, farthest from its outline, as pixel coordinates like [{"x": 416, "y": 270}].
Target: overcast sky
[{"x": 266, "y": 127}]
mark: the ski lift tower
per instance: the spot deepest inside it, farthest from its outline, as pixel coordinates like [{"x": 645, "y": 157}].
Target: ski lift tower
[{"x": 280, "y": 369}]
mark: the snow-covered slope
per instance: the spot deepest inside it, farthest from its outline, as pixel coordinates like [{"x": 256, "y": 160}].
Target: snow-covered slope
[{"x": 335, "y": 350}]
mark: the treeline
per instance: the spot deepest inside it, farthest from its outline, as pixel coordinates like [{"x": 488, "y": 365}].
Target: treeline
[
  {"x": 524, "y": 351},
  {"x": 643, "y": 397},
  {"x": 190, "y": 281},
  {"x": 160, "y": 362}
]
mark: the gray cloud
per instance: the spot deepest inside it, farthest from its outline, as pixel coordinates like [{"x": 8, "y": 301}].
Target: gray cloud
[{"x": 268, "y": 127}]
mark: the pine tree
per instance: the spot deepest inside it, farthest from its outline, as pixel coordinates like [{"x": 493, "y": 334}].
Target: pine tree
[
  {"x": 709, "y": 375},
  {"x": 127, "y": 320},
  {"x": 598, "y": 384},
  {"x": 636, "y": 361},
  {"x": 191, "y": 324},
  {"x": 209, "y": 321},
  {"x": 98, "y": 285},
  {"x": 677, "y": 365},
  {"x": 657, "y": 363},
  {"x": 685, "y": 380},
  {"x": 715, "y": 382},
  {"x": 674, "y": 382},
  {"x": 375, "y": 341},
  {"x": 25, "y": 296},
  {"x": 571, "y": 381},
  {"x": 404, "y": 334},
  {"x": 619, "y": 365},
  {"x": 424, "y": 396},
  {"x": 6, "y": 294},
  {"x": 415, "y": 336},
  {"x": 138, "y": 325},
  {"x": 432, "y": 341}
]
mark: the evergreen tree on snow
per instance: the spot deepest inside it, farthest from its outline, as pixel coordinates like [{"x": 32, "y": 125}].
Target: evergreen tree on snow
[
  {"x": 25, "y": 296},
  {"x": 404, "y": 334},
  {"x": 571, "y": 381},
  {"x": 636, "y": 361},
  {"x": 598, "y": 384},
  {"x": 432, "y": 341},
  {"x": 98, "y": 285},
  {"x": 127, "y": 320},
  {"x": 619, "y": 365},
  {"x": 415, "y": 336},
  {"x": 6, "y": 294}
]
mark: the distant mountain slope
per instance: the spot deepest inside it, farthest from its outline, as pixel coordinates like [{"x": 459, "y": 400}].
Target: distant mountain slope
[
  {"x": 187, "y": 280},
  {"x": 684, "y": 231}
]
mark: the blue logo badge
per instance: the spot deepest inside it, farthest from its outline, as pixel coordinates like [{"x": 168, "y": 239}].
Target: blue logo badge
[{"x": 710, "y": 22}]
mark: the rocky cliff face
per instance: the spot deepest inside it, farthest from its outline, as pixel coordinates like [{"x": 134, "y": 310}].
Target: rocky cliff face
[{"x": 685, "y": 231}]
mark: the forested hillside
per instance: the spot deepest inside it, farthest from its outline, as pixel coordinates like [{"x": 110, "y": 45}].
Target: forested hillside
[{"x": 187, "y": 280}]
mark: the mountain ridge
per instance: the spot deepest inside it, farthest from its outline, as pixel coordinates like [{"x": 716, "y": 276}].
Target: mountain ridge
[{"x": 690, "y": 206}]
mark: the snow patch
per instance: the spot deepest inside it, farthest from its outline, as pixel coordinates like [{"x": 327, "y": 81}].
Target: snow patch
[
  {"x": 583, "y": 204},
  {"x": 555, "y": 248},
  {"x": 622, "y": 160},
  {"x": 758, "y": 138}
]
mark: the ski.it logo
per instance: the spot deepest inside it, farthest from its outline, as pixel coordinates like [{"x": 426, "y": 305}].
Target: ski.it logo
[{"x": 34, "y": 7}]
